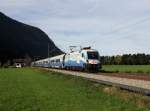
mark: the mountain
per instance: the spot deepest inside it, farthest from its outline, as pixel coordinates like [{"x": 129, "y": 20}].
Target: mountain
[{"x": 18, "y": 40}]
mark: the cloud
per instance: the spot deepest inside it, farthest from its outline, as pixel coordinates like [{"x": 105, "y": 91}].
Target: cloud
[{"x": 111, "y": 26}]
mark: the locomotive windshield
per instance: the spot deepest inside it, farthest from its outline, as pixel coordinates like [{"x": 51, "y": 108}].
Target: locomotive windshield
[{"x": 93, "y": 55}]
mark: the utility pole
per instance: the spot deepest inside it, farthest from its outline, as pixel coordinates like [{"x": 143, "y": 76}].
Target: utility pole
[{"x": 48, "y": 50}]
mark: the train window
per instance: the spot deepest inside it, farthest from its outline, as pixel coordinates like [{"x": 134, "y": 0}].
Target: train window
[
  {"x": 57, "y": 60},
  {"x": 83, "y": 55},
  {"x": 93, "y": 55}
]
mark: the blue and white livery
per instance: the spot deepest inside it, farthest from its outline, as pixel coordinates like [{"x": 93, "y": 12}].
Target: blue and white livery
[{"x": 84, "y": 59}]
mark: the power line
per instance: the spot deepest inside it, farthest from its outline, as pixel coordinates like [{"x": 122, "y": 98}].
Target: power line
[{"x": 128, "y": 26}]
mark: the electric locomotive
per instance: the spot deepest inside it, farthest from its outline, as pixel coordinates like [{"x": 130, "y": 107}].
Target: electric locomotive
[{"x": 85, "y": 59}]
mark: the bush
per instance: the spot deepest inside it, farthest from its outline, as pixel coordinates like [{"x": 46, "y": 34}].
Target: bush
[{"x": 140, "y": 71}]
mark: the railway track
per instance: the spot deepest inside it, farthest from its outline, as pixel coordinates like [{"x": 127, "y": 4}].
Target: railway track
[{"x": 132, "y": 83}]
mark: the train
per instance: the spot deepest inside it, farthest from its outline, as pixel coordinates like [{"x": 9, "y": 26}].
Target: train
[{"x": 86, "y": 59}]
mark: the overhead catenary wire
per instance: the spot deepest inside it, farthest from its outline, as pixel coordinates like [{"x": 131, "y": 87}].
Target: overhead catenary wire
[{"x": 141, "y": 21}]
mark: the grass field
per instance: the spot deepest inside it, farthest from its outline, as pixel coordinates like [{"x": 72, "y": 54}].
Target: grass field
[
  {"x": 33, "y": 90},
  {"x": 127, "y": 68}
]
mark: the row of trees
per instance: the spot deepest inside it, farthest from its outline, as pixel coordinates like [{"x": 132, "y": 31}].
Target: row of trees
[{"x": 126, "y": 59}]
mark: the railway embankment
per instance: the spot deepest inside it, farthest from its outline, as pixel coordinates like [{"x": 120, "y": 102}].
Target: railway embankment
[{"x": 129, "y": 82}]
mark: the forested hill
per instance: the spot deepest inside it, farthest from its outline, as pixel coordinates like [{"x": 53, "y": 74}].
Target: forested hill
[{"x": 18, "y": 40}]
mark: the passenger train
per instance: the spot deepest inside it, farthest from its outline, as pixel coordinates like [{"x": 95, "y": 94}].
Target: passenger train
[{"x": 86, "y": 59}]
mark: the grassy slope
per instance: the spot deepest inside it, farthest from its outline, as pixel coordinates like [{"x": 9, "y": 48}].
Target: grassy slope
[
  {"x": 127, "y": 68},
  {"x": 30, "y": 90}
]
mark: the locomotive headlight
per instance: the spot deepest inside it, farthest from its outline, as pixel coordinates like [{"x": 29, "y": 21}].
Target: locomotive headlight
[{"x": 92, "y": 62}]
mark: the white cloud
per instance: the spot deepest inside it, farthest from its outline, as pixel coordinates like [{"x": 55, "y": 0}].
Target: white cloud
[{"x": 111, "y": 26}]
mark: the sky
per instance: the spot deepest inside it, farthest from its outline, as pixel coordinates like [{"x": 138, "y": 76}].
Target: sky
[{"x": 113, "y": 27}]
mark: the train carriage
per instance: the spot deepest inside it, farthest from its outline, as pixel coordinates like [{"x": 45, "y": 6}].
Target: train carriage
[{"x": 57, "y": 61}]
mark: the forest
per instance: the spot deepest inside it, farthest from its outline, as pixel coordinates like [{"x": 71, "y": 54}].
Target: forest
[{"x": 126, "y": 59}]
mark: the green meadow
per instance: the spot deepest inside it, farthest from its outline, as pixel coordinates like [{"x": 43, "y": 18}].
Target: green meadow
[
  {"x": 127, "y": 68},
  {"x": 28, "y": 89}
]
